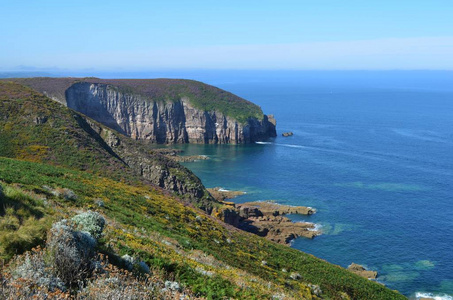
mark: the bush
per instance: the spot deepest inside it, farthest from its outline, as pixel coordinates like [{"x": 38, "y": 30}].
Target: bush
[
  {"x": 71, "y": 252},
  {"x": 32, "y": 267},
  {"x": 91, "y": 222}
]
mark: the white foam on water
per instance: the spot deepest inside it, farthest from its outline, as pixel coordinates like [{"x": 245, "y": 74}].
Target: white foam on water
[
  {"x": 419, "y": 295},
  {"x": 223, "y": 190},
  {"x": 293, "y": 146},
  {"x": 263, "y": 143},
  {"x": 316, "y": 228}
]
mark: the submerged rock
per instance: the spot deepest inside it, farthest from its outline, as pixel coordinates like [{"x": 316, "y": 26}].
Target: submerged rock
[{"x": 286, "y": 134}]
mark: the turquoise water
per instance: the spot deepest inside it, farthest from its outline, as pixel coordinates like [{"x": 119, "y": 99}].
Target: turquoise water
[{"x": 373, "y": 152}]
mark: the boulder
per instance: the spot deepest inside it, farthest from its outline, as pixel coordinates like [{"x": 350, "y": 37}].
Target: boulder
[{"x": 361, "y": 271}]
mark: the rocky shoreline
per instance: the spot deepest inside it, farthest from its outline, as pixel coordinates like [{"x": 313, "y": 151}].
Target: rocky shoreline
[{"x": 266, "y": 219}]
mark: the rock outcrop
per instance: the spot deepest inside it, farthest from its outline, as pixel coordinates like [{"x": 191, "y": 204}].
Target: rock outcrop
[
  {"x": 174, "y": 120},
  {"x": 153, "y": 166},
  {"x": 361, "y": 271},
  {"x": 267, "y": 219}
]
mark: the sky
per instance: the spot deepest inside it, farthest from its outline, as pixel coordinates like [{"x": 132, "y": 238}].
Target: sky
[{"x": 297, "y": 35}]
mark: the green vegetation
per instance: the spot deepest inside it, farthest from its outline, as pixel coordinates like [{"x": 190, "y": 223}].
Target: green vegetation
[
  {"x": 24, "y": 221},
  {"x": 45, "y": 181},
  {"x": 166, "y": 234}
]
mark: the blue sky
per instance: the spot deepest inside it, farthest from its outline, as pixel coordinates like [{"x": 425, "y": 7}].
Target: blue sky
[{"x": 304, "y": 34}]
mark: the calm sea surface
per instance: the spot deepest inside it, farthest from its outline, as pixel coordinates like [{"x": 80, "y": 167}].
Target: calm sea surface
[{"x": 372, "y": 151}]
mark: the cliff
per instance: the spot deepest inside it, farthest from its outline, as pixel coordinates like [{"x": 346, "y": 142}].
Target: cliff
[{"x": 162, "y": 110}]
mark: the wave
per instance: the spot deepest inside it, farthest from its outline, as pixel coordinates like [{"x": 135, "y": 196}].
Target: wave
[
  {"x": 420, "y": 295},
  {"x": 263, "y": 143},
  {"x": 316, "y": 228},
  {"x": 373, "y": 155}
]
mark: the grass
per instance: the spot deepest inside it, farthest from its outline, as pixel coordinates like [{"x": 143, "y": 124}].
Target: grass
[{"x": 24, "y": 222}]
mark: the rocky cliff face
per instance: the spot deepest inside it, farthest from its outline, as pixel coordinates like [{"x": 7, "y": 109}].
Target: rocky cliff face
[{"x": 163, "y": 121}]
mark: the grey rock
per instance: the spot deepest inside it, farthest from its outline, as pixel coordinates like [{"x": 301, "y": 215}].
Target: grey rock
[
  {"x": 129, "y": 261},
  {"x": 172, "y": 285},
  {"x": 143, "y": 267}
]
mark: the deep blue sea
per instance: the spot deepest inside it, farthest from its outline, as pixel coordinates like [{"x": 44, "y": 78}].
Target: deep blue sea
[{"x": 371, "y": 151}]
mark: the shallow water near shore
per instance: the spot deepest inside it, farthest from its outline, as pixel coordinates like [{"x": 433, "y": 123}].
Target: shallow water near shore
[{"x": 371, "y": 151}]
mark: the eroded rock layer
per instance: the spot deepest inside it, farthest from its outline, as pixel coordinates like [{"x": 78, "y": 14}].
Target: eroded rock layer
[{"x": 163, "y": 121}]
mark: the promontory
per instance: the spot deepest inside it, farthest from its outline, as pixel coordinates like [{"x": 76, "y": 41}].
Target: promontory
[{"x": 162, "y": 111}]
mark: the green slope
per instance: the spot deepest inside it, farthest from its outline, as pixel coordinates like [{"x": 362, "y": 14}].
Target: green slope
[
  {"x": 35, "y": 128},
  {"x": 183, "y": 241}
]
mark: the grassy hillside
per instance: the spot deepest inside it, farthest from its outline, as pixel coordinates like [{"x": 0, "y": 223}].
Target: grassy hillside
[
  {"x": 200, "y": 95},
  {"x": 35, "y": 128},
  {"x": 212, "y": 259},
  {"x": 59, "y": 165}
]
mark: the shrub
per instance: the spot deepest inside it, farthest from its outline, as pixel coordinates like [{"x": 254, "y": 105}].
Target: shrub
[
  {"x": 91, "y": 222},
  {"x": 70, "y": 252},
  {"x": 32, "y": 267}
]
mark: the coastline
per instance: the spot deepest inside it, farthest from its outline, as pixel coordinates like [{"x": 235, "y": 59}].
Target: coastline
[{"x": 264, "y": 218}]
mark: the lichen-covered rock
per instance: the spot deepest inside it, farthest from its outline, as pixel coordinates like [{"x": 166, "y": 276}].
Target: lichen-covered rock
[
  {"x": 315, "y": 289},
  {"x": 129, "y": 261},
  {"x": 172, "y": 285},
  {"x": 68, "y": 194}
]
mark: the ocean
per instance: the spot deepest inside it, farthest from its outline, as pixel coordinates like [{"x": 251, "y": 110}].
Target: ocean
[{"x": 371, "y": 151}]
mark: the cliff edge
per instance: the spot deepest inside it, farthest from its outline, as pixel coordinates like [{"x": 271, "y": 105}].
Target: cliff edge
[{"x": 162, "y": 111}]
